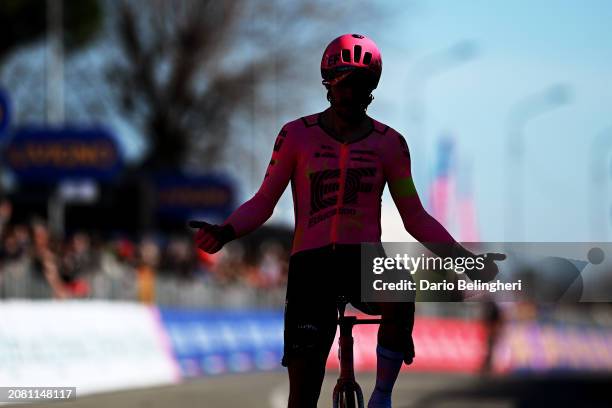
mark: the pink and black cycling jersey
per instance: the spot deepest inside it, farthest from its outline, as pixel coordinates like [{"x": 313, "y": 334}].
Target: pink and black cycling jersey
[{"x": 337, "y": 186}]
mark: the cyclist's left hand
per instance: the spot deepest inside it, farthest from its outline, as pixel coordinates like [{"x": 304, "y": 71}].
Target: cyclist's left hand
[{"x": 490, "y": 270}]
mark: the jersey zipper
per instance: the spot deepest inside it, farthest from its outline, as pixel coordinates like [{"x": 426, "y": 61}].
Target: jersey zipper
[{"x": 343, "y": 155}]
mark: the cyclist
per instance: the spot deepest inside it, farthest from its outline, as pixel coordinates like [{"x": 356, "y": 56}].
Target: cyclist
[{"x": 338, "y": 162}]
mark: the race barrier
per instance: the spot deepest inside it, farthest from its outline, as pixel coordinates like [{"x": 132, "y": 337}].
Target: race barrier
[
  {"x": 100, "y": 346},
  {"x": 538, "y": 347},
  {"x": 454, "y": 345},
  {"x": 219, "y": 342},
  {"x": 95, "y": 346},
  {"x": 450, "y": 345}
]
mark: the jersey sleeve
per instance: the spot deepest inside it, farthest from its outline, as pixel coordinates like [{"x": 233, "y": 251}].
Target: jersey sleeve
[
  {"x": 253, "y": 213},
  {"x": 396, "y": 166}
]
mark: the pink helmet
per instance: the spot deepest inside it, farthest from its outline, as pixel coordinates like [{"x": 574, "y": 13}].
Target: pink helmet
[{"x": 348, "y": 53}]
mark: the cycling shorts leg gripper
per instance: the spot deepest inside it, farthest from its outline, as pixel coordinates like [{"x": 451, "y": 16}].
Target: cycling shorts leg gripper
[
  {"x": 310, "y": 306},
  {"x": 309, "y": 330}
]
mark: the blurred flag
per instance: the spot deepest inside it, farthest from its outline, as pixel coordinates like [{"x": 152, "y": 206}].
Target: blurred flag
[
  {"x": 451, "y": 201},
  {"x": 466, "y": 211}
]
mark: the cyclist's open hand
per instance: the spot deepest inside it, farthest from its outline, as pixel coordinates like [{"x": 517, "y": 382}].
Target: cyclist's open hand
[
  {"x": 210, "y": 238},
  {"x": 490, "y": 270}
]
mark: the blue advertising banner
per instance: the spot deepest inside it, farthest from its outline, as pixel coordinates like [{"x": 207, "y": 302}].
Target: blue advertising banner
[
  {"x": 183, "y": 196},
  {"x": 206, "y": 342},
  {"x": 43, "y": 154}
]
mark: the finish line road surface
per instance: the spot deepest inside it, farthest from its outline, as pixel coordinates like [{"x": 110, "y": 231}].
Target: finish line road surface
[{"x": 262, "y": 390}]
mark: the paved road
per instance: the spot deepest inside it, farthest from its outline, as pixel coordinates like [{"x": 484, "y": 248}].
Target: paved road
[
  {"x": 262, "y": 390},
  {"x": 420, "y": 390}
]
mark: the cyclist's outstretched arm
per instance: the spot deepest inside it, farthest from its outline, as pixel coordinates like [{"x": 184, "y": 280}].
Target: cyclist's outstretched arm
[
  {"x": 253, "y": 213},
  {"x": 417, "y": 221},
  {"x": 422, "y": 226}
]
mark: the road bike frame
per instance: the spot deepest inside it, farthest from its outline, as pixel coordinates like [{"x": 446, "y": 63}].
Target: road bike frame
[{"x": 347, "y": 392}]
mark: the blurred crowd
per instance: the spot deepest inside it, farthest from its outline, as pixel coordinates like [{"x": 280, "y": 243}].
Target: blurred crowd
[{"x": 36, "y": 264}]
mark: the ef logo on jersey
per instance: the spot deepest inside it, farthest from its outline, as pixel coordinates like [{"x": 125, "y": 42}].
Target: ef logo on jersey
[{"x": 325, "y": 185}]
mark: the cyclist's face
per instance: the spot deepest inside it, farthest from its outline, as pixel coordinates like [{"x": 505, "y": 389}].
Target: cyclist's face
[{"x": 350, "y": 97}]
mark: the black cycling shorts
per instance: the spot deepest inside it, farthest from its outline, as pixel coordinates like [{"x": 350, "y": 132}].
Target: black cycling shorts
[{"x": 316, "y": 278}]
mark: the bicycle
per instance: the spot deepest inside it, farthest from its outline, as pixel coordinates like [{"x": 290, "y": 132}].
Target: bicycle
[{"x": 347, "y": 391}]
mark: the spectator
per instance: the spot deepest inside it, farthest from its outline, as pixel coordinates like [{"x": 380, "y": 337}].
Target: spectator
[
  {"x": 145, "y": 272},
  {"x": 6, "y": 209},
  {"x": 179, "y": 258},
  {"x": 10, "y": 248},
  {"x": 273, "y": 264},
  {"x": 32, "y": 264},
  {"x": 493, "y": 323},
  {"x": 229, "y": 266},
  {"x": 44, "y": 261},
  {"x": 78, "y": 261}
]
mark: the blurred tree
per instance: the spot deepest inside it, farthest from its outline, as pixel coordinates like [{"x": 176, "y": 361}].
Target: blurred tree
[
  {"x": 25, "y": 21},
  {"x": 189, "y": 77},
  {"x": 191, "y": 66}
]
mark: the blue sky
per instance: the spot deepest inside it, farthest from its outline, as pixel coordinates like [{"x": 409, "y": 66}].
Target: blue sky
[{"x": 523, "y": 47}]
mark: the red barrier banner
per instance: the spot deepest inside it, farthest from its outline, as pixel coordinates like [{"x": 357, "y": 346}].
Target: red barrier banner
[{"x": 441, "y": 345}]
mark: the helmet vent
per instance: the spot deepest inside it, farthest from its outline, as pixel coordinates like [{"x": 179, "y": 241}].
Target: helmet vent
[
  {"x": 346, "y": 55},
  {"x": 357, "y": 55},
  {"x": 367, "y": 57}
]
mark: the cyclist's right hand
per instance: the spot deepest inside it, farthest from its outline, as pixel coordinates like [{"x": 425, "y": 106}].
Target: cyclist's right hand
[{"x": 210, "y": 238}]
